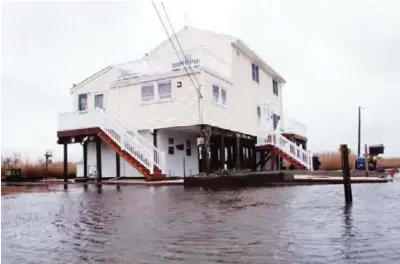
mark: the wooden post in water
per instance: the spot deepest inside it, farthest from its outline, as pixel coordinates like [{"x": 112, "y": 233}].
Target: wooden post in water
[
  {"x": 65, "y": 162},
  {"x": 366, "y": 161},
  {"x": 184, "y": 168},
  {"x": 346, "y": 173}
]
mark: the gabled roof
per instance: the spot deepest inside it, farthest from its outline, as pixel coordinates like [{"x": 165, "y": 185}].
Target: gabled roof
[
  {"x": 229, "y": 38},
  {"x": 236, "y": 42}
]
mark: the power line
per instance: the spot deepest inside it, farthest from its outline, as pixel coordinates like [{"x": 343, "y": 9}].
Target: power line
[
  {"x": 179, "y": 43},
  {"x": 176, "y": 51}
]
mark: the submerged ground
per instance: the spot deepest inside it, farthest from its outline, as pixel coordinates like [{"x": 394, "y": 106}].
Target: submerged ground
[{"x": 170, "y": 224}]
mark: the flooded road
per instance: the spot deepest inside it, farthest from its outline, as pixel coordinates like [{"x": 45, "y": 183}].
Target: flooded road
[{"x": 139, "y": 224}]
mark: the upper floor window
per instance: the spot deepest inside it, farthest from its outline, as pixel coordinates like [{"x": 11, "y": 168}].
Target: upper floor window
[
  {"x": 255, "y": 73},
  {"x": 164, "y": 90},
  {"x": 147, "y": 92},
  {"x": 99, "y": 101},
  {"x": 157, "y": 91},
  {"x": 215, "y": 93},
  {"x": 259, "y": 114},
  {"x": 275, "y": 87},
  {"x": 82, "y": 102},
  {"x": 219, "y": 95}
]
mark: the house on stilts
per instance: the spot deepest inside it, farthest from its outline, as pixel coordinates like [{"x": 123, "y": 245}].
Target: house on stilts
[{"x": 164, "y": 115}]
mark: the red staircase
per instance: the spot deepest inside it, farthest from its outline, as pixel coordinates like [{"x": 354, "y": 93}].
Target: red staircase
[
  {"x": 129, "y": 144},
  {"x": 155, "y": 176},
  {"x": 294, "y": 155}
]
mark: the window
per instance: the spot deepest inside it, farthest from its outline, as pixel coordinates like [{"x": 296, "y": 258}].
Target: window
[
  {"x": 171, "y": 148},
  {"x": 164, "y": 90},
  {"x": 215, "y": 94},
  {"x": 99, "y": 101},
  {"x": 82, "y": 102},
  {"x": 275, "y": 119},
  {"x": 259, "y": 114},
  {"x": 219, "y": 95},
  {"x": 223, "y": 96},
  {"x": 255, "y": 73},
  {"x": 147, "y": 92},
  {"x": 275, "y": 87},
  {"x": 188, "y": 148}
]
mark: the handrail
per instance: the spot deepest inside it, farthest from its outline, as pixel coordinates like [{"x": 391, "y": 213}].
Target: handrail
[
  {"x": 136, "y": 145},
  {"x": 284, "y": 144}
]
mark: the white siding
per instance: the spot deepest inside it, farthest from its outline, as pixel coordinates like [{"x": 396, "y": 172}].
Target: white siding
[
  {"x": 182, "y": 110},
  {"x": 174, "y": 163},
  {"x": 248, "y": 93}
]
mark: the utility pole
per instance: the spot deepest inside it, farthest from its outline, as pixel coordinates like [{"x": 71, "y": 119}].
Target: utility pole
[{"x": 359, "y": 132}]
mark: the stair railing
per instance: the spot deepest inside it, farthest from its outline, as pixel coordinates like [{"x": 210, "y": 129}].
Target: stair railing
[
  {"x": 135, "y": 144},
  {"x": 277, "y": 139}
]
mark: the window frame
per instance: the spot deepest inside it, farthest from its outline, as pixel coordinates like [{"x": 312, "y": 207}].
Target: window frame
[
  {"x": 94, "y": 100},
  {"x": 141, "y": 93},
  {"x": 219, "y": 101},
  {"x": 255, "y": 72},
  {"x": 158, "y": 90},
  {"x": 275, "y": 87},
  {"x": 83, "y": 106}
]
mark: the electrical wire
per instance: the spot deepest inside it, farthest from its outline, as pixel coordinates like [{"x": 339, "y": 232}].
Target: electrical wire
[
  {"x": 176, "y": 51},
  {"x": 179, "y": 43}
]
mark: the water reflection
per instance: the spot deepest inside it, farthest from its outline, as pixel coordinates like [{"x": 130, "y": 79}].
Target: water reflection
[{"x": 102, "y": 224}]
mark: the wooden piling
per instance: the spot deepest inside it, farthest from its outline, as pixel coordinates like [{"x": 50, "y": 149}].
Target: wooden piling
[
  {"x": 346, "y": 173},
  {"x": 118, "y": 165},
  {"x": 98, "y": 159},
  {"x": 65, "y": 162},
  {"x": 85, "y": 163}
]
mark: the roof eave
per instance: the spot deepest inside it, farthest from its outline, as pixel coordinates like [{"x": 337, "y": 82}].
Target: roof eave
[{"x": 93, "y": 76}]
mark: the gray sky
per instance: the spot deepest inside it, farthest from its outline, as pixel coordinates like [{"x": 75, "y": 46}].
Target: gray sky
[{"x": 335, "y": 56}]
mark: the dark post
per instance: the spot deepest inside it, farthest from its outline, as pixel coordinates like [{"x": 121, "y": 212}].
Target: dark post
[
  {"x": 237, "y": 152},
  {"x": 254, "y": 157},
  {"x": 118, "y": 164},
  {"x": 155, "y": 137},
  {"x": 366, "y": 161},
  {"x": 359, "y": 132},
  {"x": 222, "y": 153},
  {"x": 184, "y": 168},
  {"x": 273, "y": 159},
  {"x": 65, "y": 162},
  {"x": 346, "y": 174},
  {"x": 85, "y": 166},
  {"x": 98, "y": 159}
]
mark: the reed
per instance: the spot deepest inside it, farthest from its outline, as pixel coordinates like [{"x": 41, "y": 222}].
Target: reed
[{"x": 36, "y": 170}]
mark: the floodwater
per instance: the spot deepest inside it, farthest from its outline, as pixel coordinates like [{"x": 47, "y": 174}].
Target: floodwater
[{"x": 140, "y": 224}]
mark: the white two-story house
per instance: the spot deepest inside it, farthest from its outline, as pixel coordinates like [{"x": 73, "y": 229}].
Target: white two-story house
[{"x": 156, "y": 117}]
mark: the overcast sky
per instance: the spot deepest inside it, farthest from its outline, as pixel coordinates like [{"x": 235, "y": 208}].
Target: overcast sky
[{"x": 335, "y": 56}]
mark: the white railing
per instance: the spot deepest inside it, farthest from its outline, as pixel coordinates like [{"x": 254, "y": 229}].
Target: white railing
[
  {"x": 276, "y": 139},
  {"x": 133, "y": 143}
]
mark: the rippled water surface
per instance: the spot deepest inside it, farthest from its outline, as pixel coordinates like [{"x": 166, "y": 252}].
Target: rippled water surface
[{"x": 135, "y": 224}]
